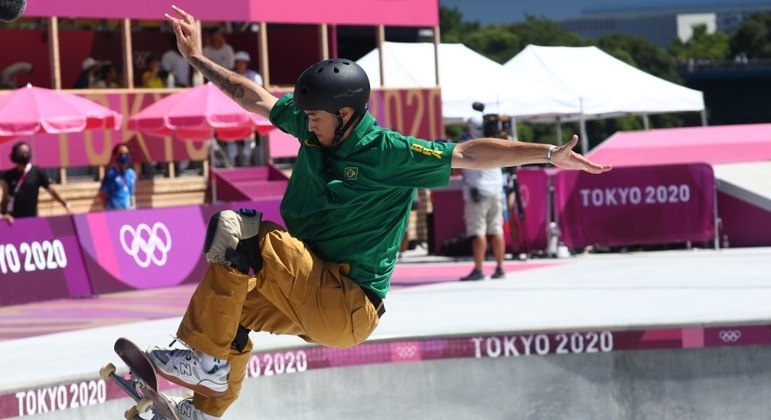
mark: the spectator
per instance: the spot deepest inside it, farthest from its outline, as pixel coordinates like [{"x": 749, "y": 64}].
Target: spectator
[
  {"x": 483, "y": 212},
  {"x": 152, "y": 77},
  {"x": 9, "y": 75},
  {"x": 242, "y": 60},
  {"x": 109, "y": 77},
  {"x": 239, "y": 152},
  {"x": 119, "y": 184},
  {"x": 87, "y": 76},
  {"x": 218, "y": 50},
  {"x": 177, "y": 65},
  {"x": 19, "y": 187}
]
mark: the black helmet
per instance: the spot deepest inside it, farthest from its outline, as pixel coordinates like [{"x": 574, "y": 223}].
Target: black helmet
[{"x": 332, "y": 84}]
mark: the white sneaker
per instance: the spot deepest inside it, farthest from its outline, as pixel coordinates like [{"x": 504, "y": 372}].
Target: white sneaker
[
  {"x": 183, "y": 367},
  {"x": 185, "y": 409}
]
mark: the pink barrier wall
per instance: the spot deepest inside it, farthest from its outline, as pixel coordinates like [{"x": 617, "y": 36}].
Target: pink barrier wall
[
  {"x": 533, "y": 191},
  {"x": 448, "y": 219},
  {"x": 40, "y": 259},
  {"x": 142, "y": 249},
  {"x": 48, "y": 258},
  {"x": 448, "y": 215},
  {"x": 636, "y": 205},
  {"x": 743, "y": 223}
]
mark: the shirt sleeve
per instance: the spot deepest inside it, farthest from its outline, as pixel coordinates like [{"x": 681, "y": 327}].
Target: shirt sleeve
[
  {"x": 288, "y": 118},
  {"x": 43, "y": 178},
  {"x": 408, "y": 161},
  {"x": 132, "y": 180},
  {"x": 107, "y": 180}
]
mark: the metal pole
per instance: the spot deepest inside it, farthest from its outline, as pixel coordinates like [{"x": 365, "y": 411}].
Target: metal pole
[
  {"x": 128, "y": 58},
  {"x": 559, "y": 131},
  {"x": 437, "y": 43},
  {"x": 584, "y": 136},
  {"x": 54, "y": 52},
  {"x": 324, "y": 41},
  {"x": 381, "y": 54}
]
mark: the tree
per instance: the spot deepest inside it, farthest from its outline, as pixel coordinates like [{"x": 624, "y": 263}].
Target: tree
[
  {"x": 501, "y": 42},
  {"x": 539, "y": 31},
  {"x": 702, "y": 45},
  {"x": 452, "y": 25},
  {"x": 753, "y": 38},
  {"x": 641, "y": 54},
  {"x": 494, "y": 42}
]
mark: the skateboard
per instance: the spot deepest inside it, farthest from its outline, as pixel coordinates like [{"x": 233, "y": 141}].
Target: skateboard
[{"x": 141, "y": 383}]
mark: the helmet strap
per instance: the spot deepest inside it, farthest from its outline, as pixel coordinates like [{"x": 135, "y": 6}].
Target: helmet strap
[{"x": 342, "y": 128}]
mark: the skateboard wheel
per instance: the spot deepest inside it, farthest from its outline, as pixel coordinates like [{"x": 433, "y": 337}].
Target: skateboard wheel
[
  {"x": 144, "y": 404},
  {"x": 132, "y": 413},
  {"x": 106, "y": 370}
]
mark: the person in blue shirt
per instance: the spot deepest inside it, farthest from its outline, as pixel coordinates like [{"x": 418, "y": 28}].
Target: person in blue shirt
[{"x": 119, "y": 183}]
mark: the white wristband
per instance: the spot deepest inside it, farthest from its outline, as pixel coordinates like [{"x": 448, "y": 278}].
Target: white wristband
[{"x": 549, "y": 153}]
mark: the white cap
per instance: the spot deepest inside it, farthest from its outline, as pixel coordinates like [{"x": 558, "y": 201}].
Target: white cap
[
  {"x": 243, "y": 56},
  {"x": 88, "y": 63}
]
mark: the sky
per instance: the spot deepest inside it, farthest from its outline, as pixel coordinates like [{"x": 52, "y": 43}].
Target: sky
[{"x": 501, "y": 11}]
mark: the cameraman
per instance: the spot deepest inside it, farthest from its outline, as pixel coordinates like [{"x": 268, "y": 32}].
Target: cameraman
[{"x": 483, "y": 210}]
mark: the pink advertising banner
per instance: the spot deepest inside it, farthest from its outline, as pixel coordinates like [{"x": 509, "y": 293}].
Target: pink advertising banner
[
  {"x": 151, "y": 248},
  {"x": 40, "y": 259},
  {"x": 533, "y": 192},
  {"x": 142, "y": 249},
  {"x": 352, "y": 12},
  {"x": 416, "y": 112},
  {"x": 638, "y": 205}
]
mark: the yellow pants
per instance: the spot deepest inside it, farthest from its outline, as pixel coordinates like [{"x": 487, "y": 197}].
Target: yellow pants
[{"x": 295, "y": 293}]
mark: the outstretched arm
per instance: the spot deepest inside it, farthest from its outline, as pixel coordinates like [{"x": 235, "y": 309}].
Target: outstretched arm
[
  {"x": 55, "y": 194},
  {"x": 250, "y": 95},
  {"x": 491, "y": 153}
]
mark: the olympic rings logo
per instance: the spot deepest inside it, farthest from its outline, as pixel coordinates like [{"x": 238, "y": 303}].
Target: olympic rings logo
[
  {"x": 406, "y": 351},
  {"x": 730, "y": 336},
  {"x": 146, "y": 245}
]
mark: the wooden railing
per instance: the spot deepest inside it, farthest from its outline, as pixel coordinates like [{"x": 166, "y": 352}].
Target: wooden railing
[{"x": 83, "y": 197}]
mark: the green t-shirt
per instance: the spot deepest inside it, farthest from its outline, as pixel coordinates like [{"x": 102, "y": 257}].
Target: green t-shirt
[{"x": 351, "y": 205}]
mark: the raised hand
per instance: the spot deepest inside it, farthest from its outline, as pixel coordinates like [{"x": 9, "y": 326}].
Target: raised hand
[{"x": 186, "y": 30}]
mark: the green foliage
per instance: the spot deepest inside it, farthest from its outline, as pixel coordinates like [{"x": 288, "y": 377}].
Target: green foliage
[
  {"x": 753, "y": 38},
  {"x": 494, "y": 42},
  {"x": 641, "y": 54},
  {"x": 452, "y": 25},
  {"x": 702, "y": 45}
]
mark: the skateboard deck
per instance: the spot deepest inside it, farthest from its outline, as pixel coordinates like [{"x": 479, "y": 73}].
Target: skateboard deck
[{"x": 141, "y": 383}]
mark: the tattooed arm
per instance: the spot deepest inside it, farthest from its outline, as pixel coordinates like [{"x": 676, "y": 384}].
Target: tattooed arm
[{"x": 249, "y": 95}]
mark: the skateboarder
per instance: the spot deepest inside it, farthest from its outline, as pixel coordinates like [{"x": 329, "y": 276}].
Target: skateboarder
[{"x": 345, "y": 209}]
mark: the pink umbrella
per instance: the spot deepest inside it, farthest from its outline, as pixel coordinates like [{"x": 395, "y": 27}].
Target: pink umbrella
[
  {"x": 199, "y": 113},
  {"x": 30, "y": 110}
]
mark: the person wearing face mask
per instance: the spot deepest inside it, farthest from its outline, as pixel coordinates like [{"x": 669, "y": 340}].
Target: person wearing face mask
[
  {"x": 19, "y": 187},
  {"x": 119, "y": 183}
]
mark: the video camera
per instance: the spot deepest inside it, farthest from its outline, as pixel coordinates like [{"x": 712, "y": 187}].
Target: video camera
[{"x": 493, "y": 125}]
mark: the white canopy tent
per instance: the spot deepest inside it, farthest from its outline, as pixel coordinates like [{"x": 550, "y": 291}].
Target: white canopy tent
[
  {"x": 465, "y": 77},
  {"x": 602, "y": 85}
]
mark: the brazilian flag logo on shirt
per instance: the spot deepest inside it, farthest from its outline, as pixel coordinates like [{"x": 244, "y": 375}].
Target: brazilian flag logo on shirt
[{"x": 351, "y": 173}]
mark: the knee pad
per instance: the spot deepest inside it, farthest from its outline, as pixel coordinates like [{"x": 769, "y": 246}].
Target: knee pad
[{"x": 231, "y": 239}]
